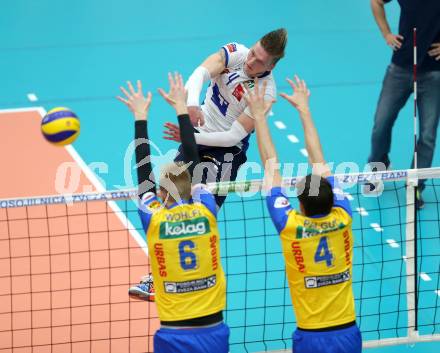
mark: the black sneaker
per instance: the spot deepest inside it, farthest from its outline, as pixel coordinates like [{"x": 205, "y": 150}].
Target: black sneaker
[{"x": 420, "y": 203}]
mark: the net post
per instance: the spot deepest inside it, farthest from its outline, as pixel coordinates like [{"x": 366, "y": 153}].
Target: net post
[{"x": 411, "y": 255}]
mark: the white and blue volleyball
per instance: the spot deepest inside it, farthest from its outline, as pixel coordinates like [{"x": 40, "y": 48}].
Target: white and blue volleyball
[{"x": 60, "y": 126}]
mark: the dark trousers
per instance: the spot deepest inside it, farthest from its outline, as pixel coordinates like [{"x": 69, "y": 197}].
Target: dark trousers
[{"x": 396, "y": 88}]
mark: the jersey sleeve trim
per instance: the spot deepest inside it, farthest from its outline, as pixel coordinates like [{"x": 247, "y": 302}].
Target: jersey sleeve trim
[
  {"x": 226, "y": 56},
  {"x": 339, "y": 198},
  {"x": 149, "y": 204},
  {"x": 279, "y": 207},
  {"x": 201, "y": 194}
]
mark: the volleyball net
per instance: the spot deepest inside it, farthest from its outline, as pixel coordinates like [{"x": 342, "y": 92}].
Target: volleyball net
[{"x": 66, "y": 262}]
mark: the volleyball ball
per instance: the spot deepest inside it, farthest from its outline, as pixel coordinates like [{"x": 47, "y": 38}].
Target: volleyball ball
[{"x": 60, "y": 126}]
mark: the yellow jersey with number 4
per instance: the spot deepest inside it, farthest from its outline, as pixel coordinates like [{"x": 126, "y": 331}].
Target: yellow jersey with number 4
[{"x": 318, "y": 253}]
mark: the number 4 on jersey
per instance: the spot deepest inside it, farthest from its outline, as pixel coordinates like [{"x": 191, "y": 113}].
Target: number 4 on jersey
[
  {"x": 323, "y": 253},
  {"x": 220, "y": 101}
]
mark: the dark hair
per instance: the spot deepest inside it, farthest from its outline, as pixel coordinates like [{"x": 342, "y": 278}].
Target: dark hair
[
  {"x": 275, "y": 43},
  {"x": 315, "y": 194}
]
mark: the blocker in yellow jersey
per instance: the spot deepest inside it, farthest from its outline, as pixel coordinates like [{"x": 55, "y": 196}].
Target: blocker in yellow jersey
[
  {"x": 318, "y": 253},
  {"x": 317, "y": 241},
  {"x": 183, "y": 241},
  {"x": 182, "y": 236}
]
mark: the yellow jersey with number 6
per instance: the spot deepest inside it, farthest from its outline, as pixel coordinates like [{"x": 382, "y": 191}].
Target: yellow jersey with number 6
[{"x": 184, "y": 248}]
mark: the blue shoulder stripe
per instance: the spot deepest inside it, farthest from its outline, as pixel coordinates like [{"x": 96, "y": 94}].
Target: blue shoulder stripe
[{"x": 226, "y": 56}]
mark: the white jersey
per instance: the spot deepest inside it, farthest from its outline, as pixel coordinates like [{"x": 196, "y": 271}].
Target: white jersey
[{"x": 224, "y": 101}]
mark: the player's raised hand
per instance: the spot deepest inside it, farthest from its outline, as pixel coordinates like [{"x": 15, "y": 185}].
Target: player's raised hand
[
  {"x": 176, "y": 97},
  {"x": 300, "y": 96},
  {"x": 394, "y": 41},
  {"x": 136, "y": 101},
  {"x": 258, "y": 106},
  {"x": 172, "y": 132}
]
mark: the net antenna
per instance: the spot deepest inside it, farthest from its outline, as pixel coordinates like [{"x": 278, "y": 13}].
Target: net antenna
[{"x": 411, "y": 233}]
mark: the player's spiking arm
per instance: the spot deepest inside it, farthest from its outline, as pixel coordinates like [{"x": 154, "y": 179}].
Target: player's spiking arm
[{"x": 211, "y": 67}]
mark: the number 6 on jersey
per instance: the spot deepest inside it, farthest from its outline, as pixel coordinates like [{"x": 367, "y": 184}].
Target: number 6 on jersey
[{"x": 188, "y": 260}]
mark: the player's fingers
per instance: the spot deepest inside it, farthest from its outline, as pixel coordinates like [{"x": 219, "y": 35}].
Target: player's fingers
[
  {"x": 291, "y": 83},
  {"x": 268, "y": 106},
  {"x": 170, "y": 138},
  {"x": 434, "y": 51},
  {"x": 170, "y": 79},
  {"x": 139, "y": 86},
  {"x": 149, "y": 98},
  {"x": 263, "y": 90},
  {"x": 399, "y": 37},
  {"x": 122, "y": 99},
  {"x": 256, "y": 87},
  {"x": 247, "y": 97},
  {"x": 172, "y": 127},
  {"x": 123, "y": 90},
  {"x": 171, "y": 134},
  {"x": 180, "y": 80},
  {"x": 304, "y": 85},
  {"x": 246, "y": 88},
  {"x": 285, "y": 96},
  {"x": 130, "y": 87},
  {"x": 201, "y": 119},
  {"x": 163, "y": 94}
]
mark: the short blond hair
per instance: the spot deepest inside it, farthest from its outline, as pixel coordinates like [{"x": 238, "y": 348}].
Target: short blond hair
[
  {"x": 275, "y": 43},
  {"x": 176, "y": 181}
]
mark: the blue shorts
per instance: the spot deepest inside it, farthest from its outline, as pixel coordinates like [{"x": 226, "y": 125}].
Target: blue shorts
[
  {"x": 347, "y": 340},
  {"x": 197, "y": 340}
]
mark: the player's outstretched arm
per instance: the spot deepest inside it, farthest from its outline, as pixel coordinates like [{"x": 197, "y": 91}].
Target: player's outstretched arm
[
  {"x": 176, "y": 97},
  {"x": 240, "y": 128},
  {"x": 300, "y": 100},
  {"x": 139, "y": 105},
  {"x": 259, "y": 109}
]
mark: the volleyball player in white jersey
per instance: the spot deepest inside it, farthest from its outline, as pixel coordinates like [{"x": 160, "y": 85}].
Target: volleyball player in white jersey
[{"x": 223, "y": 122}]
